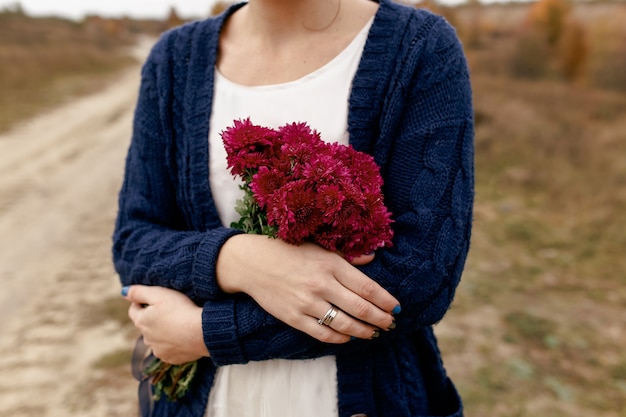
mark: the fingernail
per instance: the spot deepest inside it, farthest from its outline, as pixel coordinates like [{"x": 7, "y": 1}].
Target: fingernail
[
  {"x": 125, "y": 291},
  {"x": 375, "y": 334},
  {"x": 392, "y": 325},
  {"x": 396, "y": 310}
]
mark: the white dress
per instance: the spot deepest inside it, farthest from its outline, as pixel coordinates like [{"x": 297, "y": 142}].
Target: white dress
[{"x": 279, "y": 387}]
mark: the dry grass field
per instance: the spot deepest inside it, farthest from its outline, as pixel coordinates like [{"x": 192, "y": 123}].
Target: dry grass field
[
  {"x": 538, "y": 327},
  {"x": 46, "y": 61},
  {"x": 539, "y": 323}
]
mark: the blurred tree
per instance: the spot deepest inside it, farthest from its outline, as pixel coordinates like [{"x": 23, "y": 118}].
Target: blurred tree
[
  {"x": 573, "y": 51},
  {"x": 550, "y": 16},
  {"x": 173, "y": 19},
  {"x": 551, "y": 43},
  {"x": 13, "y": 8}
]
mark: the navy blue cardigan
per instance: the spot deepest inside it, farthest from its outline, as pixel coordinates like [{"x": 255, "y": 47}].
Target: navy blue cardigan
[{"x": 410, "y": 107}]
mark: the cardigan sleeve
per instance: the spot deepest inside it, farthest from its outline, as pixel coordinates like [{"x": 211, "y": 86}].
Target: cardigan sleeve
[
  {"x": 152, "y": 244},
  {"x": 428, "y": 170}
]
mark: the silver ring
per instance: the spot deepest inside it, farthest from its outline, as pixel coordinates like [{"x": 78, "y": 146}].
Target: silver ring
[{"x": 328, "y": 317}]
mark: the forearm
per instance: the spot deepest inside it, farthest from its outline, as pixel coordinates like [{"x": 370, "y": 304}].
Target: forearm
[
  {"x": 184, "y": 261},
  {"x": 278, "y": 293},
  {"x": 239, "y": 331}
]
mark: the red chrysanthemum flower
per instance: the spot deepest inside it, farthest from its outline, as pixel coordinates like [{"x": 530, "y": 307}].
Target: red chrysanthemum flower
[
  {"x": 249, "y": 146},
  {"x": 293, "y": 210},
  {"x": 300, "y": 133},
  {"x": 304, "y": 189},
  {"x": 265, "y": 182},
  {"x": 324, "y": 169},
  {"x": 329, "y": 201}
]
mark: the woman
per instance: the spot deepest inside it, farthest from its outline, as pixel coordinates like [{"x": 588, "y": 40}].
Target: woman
[{"x": 296, "y": 330}]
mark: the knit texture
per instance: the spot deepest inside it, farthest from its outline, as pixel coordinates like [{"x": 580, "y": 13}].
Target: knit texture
[{"x": 410, "y": 107}]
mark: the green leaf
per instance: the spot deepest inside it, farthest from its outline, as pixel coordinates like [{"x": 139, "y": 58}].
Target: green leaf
[{"x": 173, "y": 381}]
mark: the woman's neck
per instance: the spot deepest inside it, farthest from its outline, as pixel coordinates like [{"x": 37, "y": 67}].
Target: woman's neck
[
  {"x": 288, "y": 18},
  {"x": 274, "y": 41}
]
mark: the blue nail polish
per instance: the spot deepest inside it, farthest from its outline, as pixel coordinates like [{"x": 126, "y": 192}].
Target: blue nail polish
[
  {"x": 396, "y": 310},
  {"x": 125, "y": 291}
]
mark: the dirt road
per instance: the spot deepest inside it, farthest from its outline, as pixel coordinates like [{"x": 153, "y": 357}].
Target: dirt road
[{"x": 61, "y": 331}]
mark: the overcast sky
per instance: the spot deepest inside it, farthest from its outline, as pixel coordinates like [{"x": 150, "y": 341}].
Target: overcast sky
[{"x": 76, "y": 9}]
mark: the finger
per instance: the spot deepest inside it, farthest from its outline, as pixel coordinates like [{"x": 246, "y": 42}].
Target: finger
[
  {"x": 348, "y": 325},
  {"x": 358, "y": 260},
  {"x": 362, "y": 310},
  {"x": 139, "y": 294},
  {"x": 363, "y": 259},
  {"x": 322, "y": 333},
  {"x": 134, "y": 312},
  {"x": 366, "y": 288},
  {"x": 365, "y": 301}
]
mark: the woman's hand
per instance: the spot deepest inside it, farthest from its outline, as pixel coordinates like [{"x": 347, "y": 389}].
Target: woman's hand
[
  {"x": 171, "y": 324},
  {"x": 299, "y": 284},
  {"x": 361, "y": 260}
]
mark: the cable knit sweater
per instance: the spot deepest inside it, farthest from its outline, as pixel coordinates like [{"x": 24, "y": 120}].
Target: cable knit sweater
[{"x": 410, "y": 107}]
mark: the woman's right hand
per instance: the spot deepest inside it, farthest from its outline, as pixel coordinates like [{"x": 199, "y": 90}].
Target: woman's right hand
[{"x": 299, "y": 284}]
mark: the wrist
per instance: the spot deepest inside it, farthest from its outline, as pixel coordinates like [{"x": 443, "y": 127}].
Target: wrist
[{"x": 228, "y": 262}]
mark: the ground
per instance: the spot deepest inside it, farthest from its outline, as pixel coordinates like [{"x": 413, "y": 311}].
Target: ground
[{"x": 63, "y": 335}]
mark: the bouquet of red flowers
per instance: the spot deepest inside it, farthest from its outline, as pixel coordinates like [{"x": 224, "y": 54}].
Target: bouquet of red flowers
[{"x": 297, "y": 188}]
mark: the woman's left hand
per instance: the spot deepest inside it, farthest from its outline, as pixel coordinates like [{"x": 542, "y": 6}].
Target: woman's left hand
[{"x": 171, "y": 324}]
